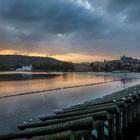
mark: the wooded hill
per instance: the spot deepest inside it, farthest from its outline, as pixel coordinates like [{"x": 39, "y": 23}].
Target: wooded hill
[{"x": 12, "y": 62}]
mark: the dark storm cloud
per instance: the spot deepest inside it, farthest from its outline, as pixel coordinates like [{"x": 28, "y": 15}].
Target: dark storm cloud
[
  {"x": 84, "y": 26},
  {"x": 53, "y": 16},
  {"x": 129, "y": 7}
]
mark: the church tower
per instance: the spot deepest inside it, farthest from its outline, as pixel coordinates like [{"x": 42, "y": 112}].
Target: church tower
[{"x": 123, "y": 57}]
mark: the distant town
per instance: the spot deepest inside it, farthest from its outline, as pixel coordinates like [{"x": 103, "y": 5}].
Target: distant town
[
  {"x": 26, "y": 63},
  {"x": 124, "y": 64}
]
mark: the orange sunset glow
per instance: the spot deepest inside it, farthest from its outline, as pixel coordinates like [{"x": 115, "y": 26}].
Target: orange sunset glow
[{"x": 71, "y": 57}]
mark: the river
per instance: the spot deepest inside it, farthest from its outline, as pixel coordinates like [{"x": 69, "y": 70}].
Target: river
[{"x": 24, "y": 96}]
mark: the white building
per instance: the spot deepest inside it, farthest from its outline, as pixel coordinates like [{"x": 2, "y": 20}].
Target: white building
[{"x": 25, "y": 68}]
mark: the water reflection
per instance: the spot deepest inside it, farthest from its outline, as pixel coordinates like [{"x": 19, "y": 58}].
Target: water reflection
[
  {"x": 124, "y": 82},
  {"x": 16, "y": 110},
  {"x": 22, "y": 83},
  {"x": 25, "y": 76}
]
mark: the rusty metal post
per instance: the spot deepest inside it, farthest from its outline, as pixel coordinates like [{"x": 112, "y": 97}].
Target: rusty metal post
[
  {"x": 100, "y": 132},
  {"x": 73, "y": 136},
  {"x": 134, "y": 109},
  {"x": 106, "y": 130},
  {"x": 118, "y": 126},
  {"x": 138, "y": 108},
  {"x": 124, "y": 118},
  {"x": 131, "y": 112},
  {"x": 88, "y": 136},
  {"x": 94, "y": 134},
  {"x": 111, "y": 129}
]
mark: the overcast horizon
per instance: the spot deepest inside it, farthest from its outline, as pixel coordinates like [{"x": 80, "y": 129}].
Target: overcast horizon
[{"x": 72, "y": 30}]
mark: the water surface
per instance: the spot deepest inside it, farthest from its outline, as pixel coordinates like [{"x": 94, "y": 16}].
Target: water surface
[{"x": 16, "y": 110}]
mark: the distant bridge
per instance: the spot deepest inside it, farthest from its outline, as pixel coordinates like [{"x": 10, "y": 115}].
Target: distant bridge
[{"x": 112, "y": 117}]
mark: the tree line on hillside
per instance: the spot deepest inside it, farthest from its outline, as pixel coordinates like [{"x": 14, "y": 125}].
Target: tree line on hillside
[{"x": 12, "y": 62}]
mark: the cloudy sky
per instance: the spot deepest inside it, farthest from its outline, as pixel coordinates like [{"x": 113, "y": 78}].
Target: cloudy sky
[{"x": 70, "y": 30}]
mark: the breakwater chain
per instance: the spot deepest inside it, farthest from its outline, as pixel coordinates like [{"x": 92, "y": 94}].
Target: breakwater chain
[
  {"x": 112, "y": 117},
  {"x": 61, "y": 88}
]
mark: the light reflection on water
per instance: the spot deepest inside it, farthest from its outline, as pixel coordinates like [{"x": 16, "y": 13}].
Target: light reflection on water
[
  {"x": 21, "y": 83},
  {"x": 15, "y": 110}
]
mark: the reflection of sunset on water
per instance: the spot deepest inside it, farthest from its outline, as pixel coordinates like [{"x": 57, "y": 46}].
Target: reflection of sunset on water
[
  {"x": 16, "y": 110},
  {"x": 60, "y": 81}
]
